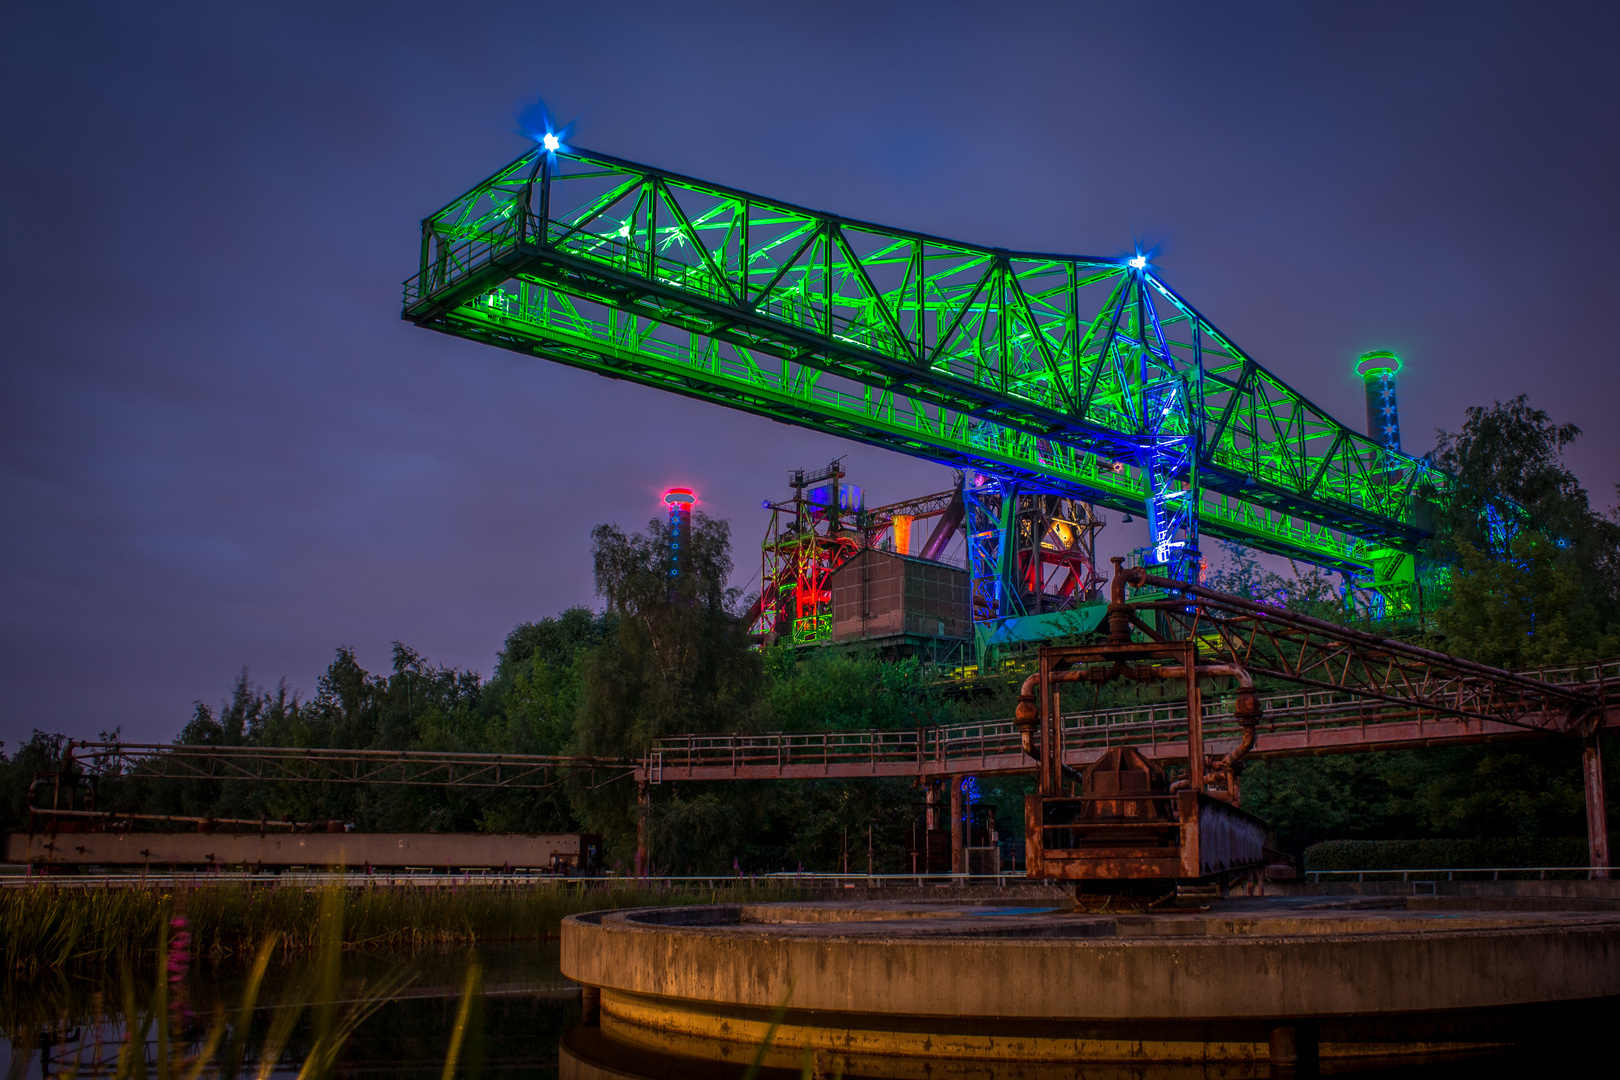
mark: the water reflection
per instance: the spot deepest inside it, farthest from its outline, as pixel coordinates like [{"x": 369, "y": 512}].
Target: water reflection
[
  {"x": 528, "y": 1025},
  {"x": 65, "y": 1022},
  {"x": 590, "y": 1054}
]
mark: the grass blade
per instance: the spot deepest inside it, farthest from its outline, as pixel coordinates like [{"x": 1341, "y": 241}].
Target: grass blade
[
  {"x": 244, "y": 1015},
  {"x": 770, "y": 1036},
  {"x": 215, "y": 1033},
  {"x": 463, "y": 1013}
]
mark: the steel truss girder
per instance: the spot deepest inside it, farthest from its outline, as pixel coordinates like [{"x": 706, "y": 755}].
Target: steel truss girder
[
  {"x": 522, "y": 772},
  {"x": 1275, "y": 643},
  {"x": 966, "y": 355}
]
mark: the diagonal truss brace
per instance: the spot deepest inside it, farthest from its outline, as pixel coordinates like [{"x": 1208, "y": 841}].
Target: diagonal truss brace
[
  {"x": 1276, "y": 643},
  {"x": 518, "y": 772}
]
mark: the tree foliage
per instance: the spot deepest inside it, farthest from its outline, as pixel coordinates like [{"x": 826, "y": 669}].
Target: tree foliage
[
  {"x": 1534, "y": 580},
  {"x": 1536, "y": 570},
  {"x": 1309, "y": 591},
  {"x": 669, "y": 655},
  {"x": 679, "y": 659}
]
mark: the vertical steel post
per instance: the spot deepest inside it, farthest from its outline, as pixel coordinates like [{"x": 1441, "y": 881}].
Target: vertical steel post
[
  {"x": 1597, "y": 812},
  {"x": 1195, "y": 722},
  {"x": 1008, "y": 587},
  {"x": 643, "y": 806},
  {"x": 1051, "y": 767},
  {"x": 956, "y": 825},
  {"x": 1057, "y": 741},
  {"x": 545, "y": 200}
]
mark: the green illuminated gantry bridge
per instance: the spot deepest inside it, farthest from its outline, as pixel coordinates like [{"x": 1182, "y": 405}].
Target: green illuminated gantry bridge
[{"x": 1083, "y": 377}]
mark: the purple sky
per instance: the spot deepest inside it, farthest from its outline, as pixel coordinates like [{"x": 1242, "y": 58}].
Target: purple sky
[{"x": 221, "y": 446}]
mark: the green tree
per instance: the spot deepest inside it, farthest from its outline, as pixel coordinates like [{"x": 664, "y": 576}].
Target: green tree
[
  {"x": 1536, "y": 570},
  {"x": 848, "y": 689},
  {"x": 1309, "y": 591},
  {"x": 678, "y": 661},
  {"x": 41, "y": 753},
  {"x": 538, "y": 680}
]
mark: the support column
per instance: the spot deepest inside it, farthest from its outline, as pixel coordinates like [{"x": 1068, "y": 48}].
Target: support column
[
  {"x": 1008, "y": 584},
  {"x": 590, "y": 1006},
  {"x": 1295, "y": 1051},
  {"x": 956, "y": 825},
  {"x": 1195, "y": 723},
  {"x": 643, "y": 805},
  {"x": 1597, "y": 812}
]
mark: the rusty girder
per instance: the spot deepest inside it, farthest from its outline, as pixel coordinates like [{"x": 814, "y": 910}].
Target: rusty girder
[
  {"x": 1276, "y": 643},
  {"x": 317, "y": 765}
]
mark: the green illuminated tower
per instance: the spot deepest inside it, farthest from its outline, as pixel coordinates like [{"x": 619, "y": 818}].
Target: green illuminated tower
[
  {"x": 1378, "y": 369},
  {"x": 1394, "y": 571}
]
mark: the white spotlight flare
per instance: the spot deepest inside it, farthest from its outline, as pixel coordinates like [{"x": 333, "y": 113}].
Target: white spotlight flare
[
  {"x": 550, "y": 142},
  {"x": 1138, "y": 263}
]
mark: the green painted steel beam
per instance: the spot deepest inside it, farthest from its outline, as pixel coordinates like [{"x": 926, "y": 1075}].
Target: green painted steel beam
[{"x": 1029, "y": 366}]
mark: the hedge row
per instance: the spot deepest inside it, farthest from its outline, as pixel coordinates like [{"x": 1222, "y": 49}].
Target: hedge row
[{"x": 1445, "y": 854}]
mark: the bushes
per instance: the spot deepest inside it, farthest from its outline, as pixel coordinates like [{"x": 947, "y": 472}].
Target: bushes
[{"x": 1445, "y": 854}]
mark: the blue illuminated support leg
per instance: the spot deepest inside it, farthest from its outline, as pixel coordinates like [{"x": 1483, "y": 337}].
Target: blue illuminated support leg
[
  {"x": 982, "y": 505},
  {"x": 1170, "y": 419},
  {"x": 1008, "y": 593},
  {"x": 996, "y": 592},
  {"x": 992, "y": 524},
  {"x": 1170, "y": 461}
]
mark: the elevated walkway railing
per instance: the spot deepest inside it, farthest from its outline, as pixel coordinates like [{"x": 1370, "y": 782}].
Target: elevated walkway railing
[{"x": 1285, "y": 719}]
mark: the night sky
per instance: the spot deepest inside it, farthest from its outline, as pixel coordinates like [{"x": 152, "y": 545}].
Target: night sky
[{"x": 221, "y": 446}]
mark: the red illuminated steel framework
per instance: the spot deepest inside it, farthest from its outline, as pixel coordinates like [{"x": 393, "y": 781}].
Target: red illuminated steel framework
[{"x": 822, "y": 526}]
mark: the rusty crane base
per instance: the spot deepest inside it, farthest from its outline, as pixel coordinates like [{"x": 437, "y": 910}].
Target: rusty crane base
[{"x": 1122, "y": 820}]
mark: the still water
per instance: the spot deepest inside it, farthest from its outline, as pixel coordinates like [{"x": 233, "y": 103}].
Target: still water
[{"x": 525, "y": 1023}]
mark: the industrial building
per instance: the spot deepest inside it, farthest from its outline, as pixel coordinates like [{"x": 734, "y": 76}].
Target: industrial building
[{"x": 903, "y": 604}]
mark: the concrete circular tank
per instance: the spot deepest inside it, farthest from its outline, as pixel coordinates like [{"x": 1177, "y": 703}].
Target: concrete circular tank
[{"x": 1245, "y": 984}]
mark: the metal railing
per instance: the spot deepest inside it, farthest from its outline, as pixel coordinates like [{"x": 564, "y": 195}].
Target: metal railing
[
  {"x": 429, "y": 878},
  {"x": 324, "y": 765},
  {"x": 1450, "y": 873},
  {"x": 960, "y": 747}
]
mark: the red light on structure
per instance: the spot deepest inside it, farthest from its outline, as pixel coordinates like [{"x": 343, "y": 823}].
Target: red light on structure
[{"x": 679, "y": 497}]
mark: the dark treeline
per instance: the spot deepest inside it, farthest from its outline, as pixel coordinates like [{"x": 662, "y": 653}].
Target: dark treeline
[
  {"x": 663, "y": 657},
  {"x": 667, "y": 656}
]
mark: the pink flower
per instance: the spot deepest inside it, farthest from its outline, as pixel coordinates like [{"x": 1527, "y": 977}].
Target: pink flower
[{"x": 179, "y": 948}]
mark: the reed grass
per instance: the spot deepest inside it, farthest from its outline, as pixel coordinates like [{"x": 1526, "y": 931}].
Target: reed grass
[
  {"x": 227, "y": 1048},
  {"x": 53, "y": 926},
  {"x": 155, "y": 1039}
]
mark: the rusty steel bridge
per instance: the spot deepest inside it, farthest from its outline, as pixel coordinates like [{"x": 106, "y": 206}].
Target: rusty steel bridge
[
  {"x": 1293, "y": 724},
  {"x": 1326, "y": 689}
]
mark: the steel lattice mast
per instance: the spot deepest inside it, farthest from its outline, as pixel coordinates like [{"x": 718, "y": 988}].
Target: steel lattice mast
[{"x": 1087, "y": 378}]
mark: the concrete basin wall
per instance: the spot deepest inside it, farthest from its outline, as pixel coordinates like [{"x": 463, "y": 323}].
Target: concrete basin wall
[{"x": 963, "y": 964}]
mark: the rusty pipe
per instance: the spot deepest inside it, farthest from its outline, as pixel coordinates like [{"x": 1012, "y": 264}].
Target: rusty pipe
[
  {"x": 1027, "y": 714},
  {"x": 1247, "y": 710},
  {"x": 1119, "y": 616},
  {"x": 1028, "y": 711},
  {"x": 1030, "y": 749}
]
